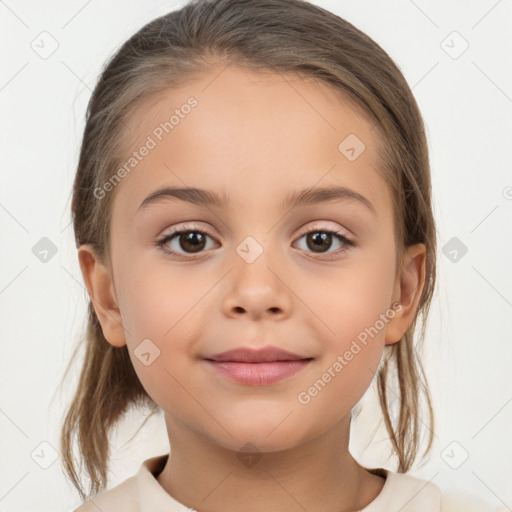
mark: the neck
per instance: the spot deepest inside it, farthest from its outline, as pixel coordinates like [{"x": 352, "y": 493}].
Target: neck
[{"x": 319, "y": 474}]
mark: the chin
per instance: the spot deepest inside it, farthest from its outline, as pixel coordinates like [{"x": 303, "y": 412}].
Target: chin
[{"x": 258, "y": 438}]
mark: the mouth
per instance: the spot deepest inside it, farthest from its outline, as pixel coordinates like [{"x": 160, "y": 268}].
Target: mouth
[
  {"x": 265, "y": 355},
  {"x": 258, "y": 367}
]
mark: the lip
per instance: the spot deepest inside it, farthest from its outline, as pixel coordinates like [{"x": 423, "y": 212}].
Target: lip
[
  {"x": 259, "y": 374},
  {"x": 258, "y": 367},
  {"x": 264, "y": 355}
]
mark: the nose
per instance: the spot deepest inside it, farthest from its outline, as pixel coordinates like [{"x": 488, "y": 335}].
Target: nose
[{"x": 257, "y": 289}]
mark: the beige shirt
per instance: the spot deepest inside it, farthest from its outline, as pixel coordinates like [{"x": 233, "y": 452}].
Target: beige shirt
[{"x": 143, "y": 493}]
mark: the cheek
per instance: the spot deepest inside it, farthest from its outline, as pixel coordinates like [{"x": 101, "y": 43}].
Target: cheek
[
  {"x": 350, "y": 309},
  {"x": 351, "y": 299},
  {"x": 162, "y": 316},
  {"x": 157, "y": 299},
  {"x": 351, "y": 353}
]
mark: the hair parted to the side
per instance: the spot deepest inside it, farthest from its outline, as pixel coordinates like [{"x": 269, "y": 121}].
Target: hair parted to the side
[{"x": 284, "y": 36}]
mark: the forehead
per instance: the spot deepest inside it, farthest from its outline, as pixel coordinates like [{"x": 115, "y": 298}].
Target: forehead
[{"x": 250, "y": 135}]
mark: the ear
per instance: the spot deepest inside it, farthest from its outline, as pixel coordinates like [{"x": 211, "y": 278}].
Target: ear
[
  {"x": 407, "y": 292},
  {"x": 99, "y": 283}
]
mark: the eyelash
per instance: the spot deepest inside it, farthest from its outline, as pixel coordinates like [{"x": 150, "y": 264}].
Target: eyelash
[{"x": 162, "y": 243}]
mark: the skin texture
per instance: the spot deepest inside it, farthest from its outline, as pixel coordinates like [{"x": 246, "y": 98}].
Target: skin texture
[{"x": 256, "y": 137}]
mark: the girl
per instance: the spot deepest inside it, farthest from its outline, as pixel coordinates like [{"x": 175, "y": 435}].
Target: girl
[{"x": 252, "y": 212}]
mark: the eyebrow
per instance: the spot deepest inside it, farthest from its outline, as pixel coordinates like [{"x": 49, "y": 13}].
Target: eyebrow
[{"x": 305, "y": 197}]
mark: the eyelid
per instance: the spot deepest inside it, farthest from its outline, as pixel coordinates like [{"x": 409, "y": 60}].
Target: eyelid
[
  {"x": 308, "y": 228},
  {"x": 186, "y": 227},
  {"x": 303, "y": 231}
]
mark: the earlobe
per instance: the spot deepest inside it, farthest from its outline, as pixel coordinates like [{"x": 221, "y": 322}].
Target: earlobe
[
  {"x": 100, "y": 286},
  {"x": 408, "y": 289}
]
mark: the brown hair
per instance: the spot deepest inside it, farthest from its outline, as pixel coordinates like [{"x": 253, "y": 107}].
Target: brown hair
[{"x": 290, "y": 36}]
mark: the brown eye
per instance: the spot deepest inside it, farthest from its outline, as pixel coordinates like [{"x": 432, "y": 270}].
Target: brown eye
[
  {"x": 192, "y": 241},
  {"x": 184, "y": 242},
  {"x": 321, "y": 240}
]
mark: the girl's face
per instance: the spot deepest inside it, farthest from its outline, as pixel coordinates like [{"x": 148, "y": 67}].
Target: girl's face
[{"x": 257, "y": 269}]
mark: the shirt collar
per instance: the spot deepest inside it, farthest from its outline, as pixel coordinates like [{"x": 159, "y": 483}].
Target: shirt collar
[{"x": 411, "y": 493}]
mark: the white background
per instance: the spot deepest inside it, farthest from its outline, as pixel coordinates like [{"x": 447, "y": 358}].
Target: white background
[{"x": 467, "y": 106}]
